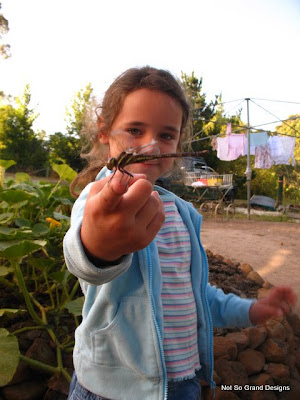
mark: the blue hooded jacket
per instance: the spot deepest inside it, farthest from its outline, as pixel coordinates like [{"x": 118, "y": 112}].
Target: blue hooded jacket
[{"x": 119, "y": 345}]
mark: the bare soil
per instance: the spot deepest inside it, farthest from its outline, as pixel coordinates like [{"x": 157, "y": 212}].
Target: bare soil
[{"x": 271, "y": 248}]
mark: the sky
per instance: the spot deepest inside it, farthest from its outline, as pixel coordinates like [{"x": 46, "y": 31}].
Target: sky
[{"x": 241, "y": 49}]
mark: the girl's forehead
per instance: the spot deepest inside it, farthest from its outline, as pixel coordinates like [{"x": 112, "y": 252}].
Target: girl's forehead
[{"x": 149, "y": 103}]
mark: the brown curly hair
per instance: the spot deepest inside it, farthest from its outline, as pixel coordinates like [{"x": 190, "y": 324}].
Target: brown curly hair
[{"x": 132, "y": 79}]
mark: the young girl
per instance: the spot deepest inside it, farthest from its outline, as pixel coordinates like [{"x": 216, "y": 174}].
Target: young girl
[{"x": 146, "y": 331}]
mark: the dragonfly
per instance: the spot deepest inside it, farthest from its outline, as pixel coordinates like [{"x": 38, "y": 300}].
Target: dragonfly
[{"x": 139, "y": 155}]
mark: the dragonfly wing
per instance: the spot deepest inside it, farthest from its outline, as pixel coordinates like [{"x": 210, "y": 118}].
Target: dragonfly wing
[
  {"x": 123, "y": 140},
  {"x": 148, "y": 149},
  {"x": 126, "y": 142}
]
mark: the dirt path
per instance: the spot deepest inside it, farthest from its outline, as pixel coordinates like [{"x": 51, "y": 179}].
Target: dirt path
[{"x": 271, "y": 248}]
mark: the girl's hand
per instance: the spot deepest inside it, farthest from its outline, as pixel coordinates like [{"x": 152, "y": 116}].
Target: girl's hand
[
  {"x": 276, "y": 304},
  {"x": 119, "y": 218}
]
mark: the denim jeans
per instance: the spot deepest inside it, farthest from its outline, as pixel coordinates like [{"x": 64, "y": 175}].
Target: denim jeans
[
  {"x": 189, "y": 389},
  {"x": 78, "y": 392}
]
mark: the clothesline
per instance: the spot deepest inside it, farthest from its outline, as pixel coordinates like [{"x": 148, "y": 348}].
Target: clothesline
[
  {"x": 276, "y": 101},
  {"x": 244, "y": 126},
  {"x": 236, "y": 132},
  {"x": 268, "y": 150},
  {"x": 284, "y": 121},
  {"x": 291, "y": 127}
]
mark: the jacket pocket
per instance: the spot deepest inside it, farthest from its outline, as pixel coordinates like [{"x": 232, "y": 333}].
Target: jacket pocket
[{"x": 129, "y": 340}]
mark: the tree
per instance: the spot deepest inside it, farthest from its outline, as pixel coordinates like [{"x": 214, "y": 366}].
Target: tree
[
  {"x": 66, "y": 148},
  {"x": 18, "y": 140},
  {"x": 208, "y": 119},
  {"x": 75, "y": 116},
  {"x": 4, "y": 48},
  {"x": 291, "y": 173}
]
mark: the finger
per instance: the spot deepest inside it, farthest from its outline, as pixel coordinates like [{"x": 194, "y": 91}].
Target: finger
[
  {"x": 115, "y": 187},
  {"x": 283, "y": 294},
  {"x": 137, "y": 196},
  {"x": 285, "y": 307},
  {"x": 156, "y": 222},
  {"x": 153, "y": 206}
]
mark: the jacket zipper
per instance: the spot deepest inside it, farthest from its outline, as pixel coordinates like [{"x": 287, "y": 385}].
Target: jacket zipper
[
  {"x": 211, "y": 349},
  {"x": 165, "y": 382}
]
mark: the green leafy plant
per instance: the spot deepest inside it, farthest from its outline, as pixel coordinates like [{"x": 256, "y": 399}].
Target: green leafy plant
[{"x": 33, "y": 221}]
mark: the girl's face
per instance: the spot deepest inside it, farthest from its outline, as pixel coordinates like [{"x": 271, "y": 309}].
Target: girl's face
[{"x": 147, "y": 116}]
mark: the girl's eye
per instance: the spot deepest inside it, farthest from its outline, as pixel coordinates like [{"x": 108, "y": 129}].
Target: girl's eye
[
  {"x": 167, "y": 136},
  {"x": 134, "y": 131}
]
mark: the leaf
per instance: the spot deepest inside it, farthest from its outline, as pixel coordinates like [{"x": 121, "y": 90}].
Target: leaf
[
  {"x": 19, "y": 205},
  {"x": 11, "y": 312},
  {"x": 60, "y": 216},
  {"x": 9, "y": 356},
  {"x": 64, "y": 201},
  {"x": 7, "y": 163},
  {"x": 18, "y": 249},
  {"x": 5, "y": 217},
  {"x": 5, "y": 271},
  {"x": 13, "y": 233},
  {"x": 60, "y": 276},
  {"x": 75, "y": 306},
  {"x": 40, "y": 229},
  {"x": 41, "y": 263},
  {"x": 22, "y": 177},
  {"x": 22, "y": 222},
  {"x": 12, "y": 196},
  {"x": 64, "y": 171},
  {"x": 7, "y": 233}
]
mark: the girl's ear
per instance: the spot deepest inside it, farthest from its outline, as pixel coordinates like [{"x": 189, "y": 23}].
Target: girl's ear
[{"x": 103, "y": 137}]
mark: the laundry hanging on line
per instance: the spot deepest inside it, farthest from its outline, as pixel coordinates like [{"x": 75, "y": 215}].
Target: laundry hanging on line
[
  {"x": 232, "y": 146},
  {"x": 256, "y": 139},
  {"x": 268, "y": 151}
]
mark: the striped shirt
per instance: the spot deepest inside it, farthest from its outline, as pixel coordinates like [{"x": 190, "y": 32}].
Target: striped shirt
[{"x": 179, "y": 308}]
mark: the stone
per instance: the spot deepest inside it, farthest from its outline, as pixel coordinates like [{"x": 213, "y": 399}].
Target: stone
[
  {"x": 267, "y": 285},
  {"x": 295, "y": 374},
  {"x": 23, "y": 373},
  {"x": 240, "y": 339},
  {"x": 254, "y": 276},
  {"x": 41, "y": 351},
  {"x": 231, "y": 372},
  {"x": 216, "y": 378},
  {"x": 279, "y": 373},
  {"x": 261, "y": 379},
  {"x": 294, "y": 393},
  {"x": 224, "y": 348},
  {"x": 262, "y": 292},
  {"x": 275, "y": 329},
  {"x": 257, "y": 335},
  {"x": 225, "y": 395},
  {"x": 297, "y": 359},
  {"x": 275, "y": 350},
  {"x": 246, "y": 269},
  {"x": 252, "y": 360},
  {"x": 30, "y": 390},
  {"x": 294, "y": 321},
  {"x": 59, "y": 384},
  {"x": 291, "y": 360},
  {"x": 290, "y": 337},
  {"x": 262, "y": 395}
]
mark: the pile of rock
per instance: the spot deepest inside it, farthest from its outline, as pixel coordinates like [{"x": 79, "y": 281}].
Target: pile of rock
[{"x": 257, "y": 363}]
